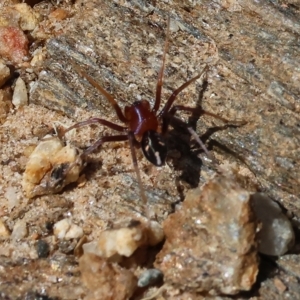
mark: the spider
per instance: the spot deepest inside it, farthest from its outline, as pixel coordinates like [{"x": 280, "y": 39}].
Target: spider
[{"x": 144, "y": 126}]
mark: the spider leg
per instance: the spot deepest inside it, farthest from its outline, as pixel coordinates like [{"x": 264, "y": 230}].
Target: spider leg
[
  {"x": 108, "y": 96},
  {"x": 172, "y": 98},
  {"x": 118, "y": 138},
  {"x": 132, "y": 141},
  {"x": 191, "y": 131},
  {"x": 161, "y": 72},
  {"x": 104, "y": 139},
  {"x": 96, "y": 121},
  {"x": 92, "y": 148}
]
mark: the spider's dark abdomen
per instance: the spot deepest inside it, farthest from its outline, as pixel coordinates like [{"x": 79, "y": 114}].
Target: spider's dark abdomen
[{"x": 154, "y": 148}]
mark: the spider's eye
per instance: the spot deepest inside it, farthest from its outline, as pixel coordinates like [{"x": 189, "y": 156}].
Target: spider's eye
[{"x": 154, "y": 147}]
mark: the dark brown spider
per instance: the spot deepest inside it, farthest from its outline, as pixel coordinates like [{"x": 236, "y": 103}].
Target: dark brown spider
[{"x": 143, "y": 126}]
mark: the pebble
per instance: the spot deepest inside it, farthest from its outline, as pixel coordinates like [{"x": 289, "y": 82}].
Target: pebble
[
  {"x": 4, "y": 73},
  {"x": 125, "y": 241},
  {"x": 38, "y": 57},
  {"x": 19, "y": 15},
  {"x": 13, "y": 44},
  {"x": 39, "y": 164},
  {"x": 281, "y": 287},
  {"x": 276, "y": 236},
  {"x": 211, "y": 240},
  {"x": 4, "y": 232},
  {"x": 66, "y": 229},
  {"x": 59, "y": 14},
  {"x": 47, "y": 170},
  {"x": 20, "y": 97},
  {"x": 19, "y": 231},
  {"x": 149, "y": 277},
  {"x": 42, "y": 249},
  {"x": 28, "y": 18}
]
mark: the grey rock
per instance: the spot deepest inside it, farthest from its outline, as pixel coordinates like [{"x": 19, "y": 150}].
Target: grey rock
[{"x": 276, "y": 236}]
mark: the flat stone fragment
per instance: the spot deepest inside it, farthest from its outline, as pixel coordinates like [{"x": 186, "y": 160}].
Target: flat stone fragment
[{"x": 210, "y": 242}]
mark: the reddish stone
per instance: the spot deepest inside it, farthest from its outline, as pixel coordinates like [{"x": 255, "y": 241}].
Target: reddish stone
[{"x": 13, "y": 44}]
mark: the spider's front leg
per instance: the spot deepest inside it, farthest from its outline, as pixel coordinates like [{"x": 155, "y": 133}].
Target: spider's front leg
[
  {"x": 95, "y": 121},
  {"x": 102, "y": 140}
]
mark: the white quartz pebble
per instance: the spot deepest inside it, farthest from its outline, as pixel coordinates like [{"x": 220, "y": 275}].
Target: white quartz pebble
[
  {"x": 20, "y": 97},
  {"x": 65, "y": 229}
]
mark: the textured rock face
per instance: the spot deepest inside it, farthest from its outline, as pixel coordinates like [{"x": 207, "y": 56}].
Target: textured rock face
[{"x": 210, "y": 242}]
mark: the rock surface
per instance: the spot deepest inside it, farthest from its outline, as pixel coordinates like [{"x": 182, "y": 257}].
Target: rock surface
[
  {"x": 252, "y": 75},
  {"x": 105, "y": 280},
  {"x": 211, "y": 240}
]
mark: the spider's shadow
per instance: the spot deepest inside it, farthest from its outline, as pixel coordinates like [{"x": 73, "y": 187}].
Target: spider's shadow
[
  {"x": 178, "y": 139},
  {"x": 189, "y": 162}
]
